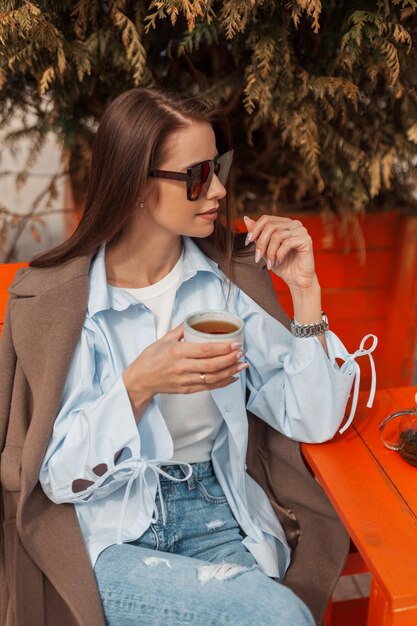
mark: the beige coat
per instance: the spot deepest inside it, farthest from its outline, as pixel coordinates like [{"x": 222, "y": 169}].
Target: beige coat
[{"x": 46, "y": 577}]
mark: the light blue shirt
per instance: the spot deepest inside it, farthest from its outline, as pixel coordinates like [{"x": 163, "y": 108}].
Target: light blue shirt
[{"x": 292, "y": 384}]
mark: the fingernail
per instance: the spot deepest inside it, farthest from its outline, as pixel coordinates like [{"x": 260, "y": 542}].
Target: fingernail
[
  {"x": 235, "y": 346},
  {"x": 269, "y": 264},
  {"x": 257, "y": 255},
  {"x": 240, "y": 354},
  {"x": 242, "y": 366},
  {"x": 248, "y": 239}
]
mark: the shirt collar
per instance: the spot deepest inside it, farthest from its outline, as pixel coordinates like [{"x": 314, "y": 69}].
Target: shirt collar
[{"x": 103, "y": 296}]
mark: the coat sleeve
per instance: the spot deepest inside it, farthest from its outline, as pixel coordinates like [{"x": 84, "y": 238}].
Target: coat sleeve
[
  {"x": 293, "y": 385},
  {"x": 95, "y": 443}
]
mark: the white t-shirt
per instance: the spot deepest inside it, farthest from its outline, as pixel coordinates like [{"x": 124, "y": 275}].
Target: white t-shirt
[{"x": 193, "y": 420}]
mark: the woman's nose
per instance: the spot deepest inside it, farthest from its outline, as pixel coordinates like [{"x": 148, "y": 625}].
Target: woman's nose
[{"x": 216, "y": 189}]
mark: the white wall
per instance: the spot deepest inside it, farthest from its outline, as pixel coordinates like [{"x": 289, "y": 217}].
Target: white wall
[{"x": 49, "y": 162}]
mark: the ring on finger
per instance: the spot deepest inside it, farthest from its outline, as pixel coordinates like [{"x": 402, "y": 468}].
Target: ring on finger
[
  {"x": 203, "y": 379},
  {"x": 289, "y": 232}
]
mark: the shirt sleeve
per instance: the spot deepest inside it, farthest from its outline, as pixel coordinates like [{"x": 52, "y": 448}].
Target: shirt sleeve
[
  {"x": 95, "y": 443},
  {"x": 293, "y": 385}
]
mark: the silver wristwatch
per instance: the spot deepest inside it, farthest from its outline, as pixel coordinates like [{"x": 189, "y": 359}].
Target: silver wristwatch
[{"x": 310, "y": 330}]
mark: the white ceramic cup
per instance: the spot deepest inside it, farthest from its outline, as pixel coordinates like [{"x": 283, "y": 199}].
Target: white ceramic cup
[{"x": 196, "y": 336}]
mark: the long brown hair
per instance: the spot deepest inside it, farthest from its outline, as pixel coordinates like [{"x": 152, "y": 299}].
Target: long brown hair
[{"x": 131, "y": 140}]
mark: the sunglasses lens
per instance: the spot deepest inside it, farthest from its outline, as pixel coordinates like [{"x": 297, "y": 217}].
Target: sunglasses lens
[
  {"x": 201, "y": 176},
  {"x": 224, "y": 164}
]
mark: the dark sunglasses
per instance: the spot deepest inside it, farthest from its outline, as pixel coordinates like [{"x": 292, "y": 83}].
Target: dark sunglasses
[{"x": 199, "y": 176}]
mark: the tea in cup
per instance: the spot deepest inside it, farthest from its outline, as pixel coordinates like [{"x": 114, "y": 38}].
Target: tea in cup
[{"x": 204, "y": 326}]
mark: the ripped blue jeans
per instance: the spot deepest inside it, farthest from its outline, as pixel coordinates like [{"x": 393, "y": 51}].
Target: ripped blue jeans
[{"x": 194, "y": 569}]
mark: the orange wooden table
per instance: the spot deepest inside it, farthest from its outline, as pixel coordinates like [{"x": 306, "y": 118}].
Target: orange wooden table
[{"x": 374, "y": 492}]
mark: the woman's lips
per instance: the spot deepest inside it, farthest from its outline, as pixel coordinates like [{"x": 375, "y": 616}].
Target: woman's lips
[
  {"x": 209, "y": 215},
  {"x": 213, "y": 210}
]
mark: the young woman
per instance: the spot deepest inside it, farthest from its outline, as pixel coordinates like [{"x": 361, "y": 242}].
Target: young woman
[{"x": 150, "y": 436}]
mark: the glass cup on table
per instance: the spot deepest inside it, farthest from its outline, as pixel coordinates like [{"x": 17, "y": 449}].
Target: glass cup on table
[{"x": 399, "y": 432}]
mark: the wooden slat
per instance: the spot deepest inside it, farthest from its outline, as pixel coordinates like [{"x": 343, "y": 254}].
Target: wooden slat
[
  {"x": 352, "y": 331},
  {"x": 379, "y": 230},
  {"x": 401, "y": 329},
  {"x": 351, "y": 303},
  {"x": 337, "y": 270},
  {"x": 348, "y": 304}
]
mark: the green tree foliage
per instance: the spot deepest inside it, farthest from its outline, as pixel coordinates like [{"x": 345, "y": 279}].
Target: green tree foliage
[{"x": 322, "y": 96}]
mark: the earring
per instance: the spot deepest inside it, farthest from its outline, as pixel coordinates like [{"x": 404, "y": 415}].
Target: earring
[{"x": 140, "y": 205}]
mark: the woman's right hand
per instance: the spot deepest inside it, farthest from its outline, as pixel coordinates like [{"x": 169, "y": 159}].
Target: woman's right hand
[{"x": 172, "y": 366}]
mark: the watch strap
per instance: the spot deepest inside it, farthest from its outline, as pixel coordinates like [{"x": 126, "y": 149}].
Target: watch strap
[{"x": 310, "y": 330}]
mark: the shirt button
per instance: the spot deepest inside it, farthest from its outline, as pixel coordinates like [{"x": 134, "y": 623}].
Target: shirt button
[
  {"x": 246, "y": 468},
  {"x": 229, "y": 408}
]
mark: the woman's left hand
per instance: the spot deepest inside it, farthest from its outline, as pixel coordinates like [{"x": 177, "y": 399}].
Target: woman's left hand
[{"x": 286, "y": 246}]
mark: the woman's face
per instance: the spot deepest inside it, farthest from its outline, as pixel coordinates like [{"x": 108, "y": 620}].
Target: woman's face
[{"x": 169, "y": 208}]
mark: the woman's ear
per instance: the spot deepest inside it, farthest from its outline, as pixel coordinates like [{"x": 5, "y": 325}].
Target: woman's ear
[{"x": 149, "y": 196}]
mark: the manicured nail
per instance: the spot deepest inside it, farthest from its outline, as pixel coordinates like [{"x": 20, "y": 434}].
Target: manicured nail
[
  {"x": 268, "y": 264},
  {"x": 257, "y": 255},
  {"x": 242, "y": 366},
  {"x": 235, "y": 346},
  {"x": 248, "y": 239},
  {"x": 240, "y": 354}
]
